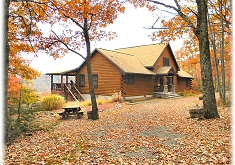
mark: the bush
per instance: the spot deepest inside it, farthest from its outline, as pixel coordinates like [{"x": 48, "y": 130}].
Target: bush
[
  {"x": 86, "y": 103},
  {"x": 117, "y": 97},
  {"x": 101, "y": 101},
  {"x": 52, "y": 102},
  {"x": 21, "y": 126},
  {"x": 189, "y": 93}
]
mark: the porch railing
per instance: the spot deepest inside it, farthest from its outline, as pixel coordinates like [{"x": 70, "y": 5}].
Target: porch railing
[{"x": 66, "y": 89}]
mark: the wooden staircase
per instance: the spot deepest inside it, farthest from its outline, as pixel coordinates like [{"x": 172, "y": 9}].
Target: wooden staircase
[{"x": 74, "y": 95}]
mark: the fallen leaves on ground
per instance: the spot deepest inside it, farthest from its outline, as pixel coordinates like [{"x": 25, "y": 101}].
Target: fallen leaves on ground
[{"x": 158, "y": 131}]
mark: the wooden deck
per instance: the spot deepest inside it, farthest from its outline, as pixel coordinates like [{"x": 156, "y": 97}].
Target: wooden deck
[{"x": 65, "y": 90}]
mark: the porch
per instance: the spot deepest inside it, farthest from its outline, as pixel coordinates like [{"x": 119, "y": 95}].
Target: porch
[
  {"x": 165, "y": 83},
  {"x": 66, "y": 86}
]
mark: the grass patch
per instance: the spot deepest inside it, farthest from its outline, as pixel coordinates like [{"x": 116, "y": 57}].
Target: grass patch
[
  {"x": 52, "y": 102},
  {"x": 100, "y": 101},
  {"x": 189, "y": 93}
]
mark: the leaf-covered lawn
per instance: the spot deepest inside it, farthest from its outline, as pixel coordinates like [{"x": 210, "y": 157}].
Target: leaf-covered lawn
[{"x": 158, "y": 131}]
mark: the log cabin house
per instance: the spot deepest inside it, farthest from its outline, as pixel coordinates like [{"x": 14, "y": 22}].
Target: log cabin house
[{"x": 135, "y": 71}]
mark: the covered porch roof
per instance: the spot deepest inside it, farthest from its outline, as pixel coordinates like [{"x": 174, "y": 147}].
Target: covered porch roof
[
  {"x": 71, "y": 72},
  {"x": 165, "y": 70}
]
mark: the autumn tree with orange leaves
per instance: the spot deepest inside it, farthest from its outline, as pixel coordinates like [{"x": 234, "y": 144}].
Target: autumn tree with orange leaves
[
  {"x": 83, "y": 22},
  {"x": 219, "y": 30},
  {"x": 190, "y": 16},
  {"x": 21, "y": 38},
  {"x": 191, "y": 19}
]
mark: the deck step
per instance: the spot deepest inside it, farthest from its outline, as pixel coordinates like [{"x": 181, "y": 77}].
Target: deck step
[{"x": 166, "y": 95}]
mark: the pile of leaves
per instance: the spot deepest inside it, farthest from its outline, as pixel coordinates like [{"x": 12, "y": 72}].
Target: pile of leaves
[{"x": 152, "y": 132}]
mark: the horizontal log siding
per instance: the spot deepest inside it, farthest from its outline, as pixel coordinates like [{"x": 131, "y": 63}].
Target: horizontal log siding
[
  {"x": 160, "y": 62},
  {"x": 143, "y": 85},
  {"x": 182, "y": 86},
  {"x": 109, "y": 76}
]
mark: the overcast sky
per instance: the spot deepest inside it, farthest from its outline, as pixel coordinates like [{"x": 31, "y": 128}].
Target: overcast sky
[{"x": 131, "y": 32}]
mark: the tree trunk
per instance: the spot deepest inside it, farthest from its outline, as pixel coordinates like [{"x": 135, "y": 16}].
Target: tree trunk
[
  {"x": 19, "y": 103},
  {"x": 209, "y": 101},
  {"x": 6, "y": 67},
  {"x": 95, "y": 114},
  {"x": 216, "y": 60},
  {"x": 222, "y": 56}
]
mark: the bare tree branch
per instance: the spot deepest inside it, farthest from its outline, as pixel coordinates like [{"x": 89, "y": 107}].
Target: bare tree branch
[
  {"x": 74, "y": 21},
  {"x": 178, "y": 10},
  {"x": 62, "y": 42}
]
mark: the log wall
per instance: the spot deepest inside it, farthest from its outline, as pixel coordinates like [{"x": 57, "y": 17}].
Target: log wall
[
  {"x": 160, "y": 62},
  {"x": 143, "y": 85},
  {"x": 181, "y": 87},
  {"x": 109, "y": 76}
]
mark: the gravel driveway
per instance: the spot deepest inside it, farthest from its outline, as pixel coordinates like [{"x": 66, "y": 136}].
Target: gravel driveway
[{"x": 157, "y": 131}]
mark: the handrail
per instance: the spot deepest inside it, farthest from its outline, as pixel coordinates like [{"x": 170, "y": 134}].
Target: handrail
[
  {"x": 70, "y": 92},
  {"x": 81, "y": 96}
]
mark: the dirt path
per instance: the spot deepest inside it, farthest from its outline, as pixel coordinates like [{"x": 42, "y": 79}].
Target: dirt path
[{"x": 158, "y": 131}]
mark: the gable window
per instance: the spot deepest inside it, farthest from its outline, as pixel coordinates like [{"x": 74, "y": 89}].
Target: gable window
[
  {"x": 166, "y": 61},
  {"x": 130, "y": 79},
  {"x": 95, "y": 80},
  {"x": 82, "y": 81}
]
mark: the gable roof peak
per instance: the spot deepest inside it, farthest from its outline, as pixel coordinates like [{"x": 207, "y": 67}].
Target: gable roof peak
[
  {"x": 147, "y": 54},
  {"x": 163, "y": 44},
  {"x": 127, "y": 63},
  {"x": 100, "y": 49}
]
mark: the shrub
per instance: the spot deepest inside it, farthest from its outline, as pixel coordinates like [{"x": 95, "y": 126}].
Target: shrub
[
  {"x": 101, "y": 101},
  {"x": 189, "y": 93},
  {"x": 86, "y": 103},
  {"x": 20, "y": 126},
  {"x": 52, "y": 102},
  {"x": 117, "y": 97}
]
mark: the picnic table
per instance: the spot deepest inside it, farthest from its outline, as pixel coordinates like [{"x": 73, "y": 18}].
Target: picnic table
[{"x": 71, "y": 111}]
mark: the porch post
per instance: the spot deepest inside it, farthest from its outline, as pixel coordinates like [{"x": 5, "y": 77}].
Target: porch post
[
  {"x": 51, "y": 82},
  {"x": 62, "y": 81},
  {"x": 165, "y": 84},
  {"x": 173, "y": 84},
  {"x": 67, "y": 79}
]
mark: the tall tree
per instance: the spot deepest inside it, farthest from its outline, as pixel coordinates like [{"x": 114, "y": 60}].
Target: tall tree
[
  {"x": 220, "y": 28},
  {"x": 21, "y": 35},
  {"x": 6, "y": 66},
  {"x": 197, "y": 22},
  {"x": 201, "y": 32},
  {"x": 83, "y": 21}
]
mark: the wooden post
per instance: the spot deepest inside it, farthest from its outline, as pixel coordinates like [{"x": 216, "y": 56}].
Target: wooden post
[
  {"x": 51, "y": 82},
  {"x": 62, "y": 82},
  {"x": 67, "y": 79},
  {"x": 173, "y": 84},
  {"x": 165, "y": 84},
  {"x": 67, "y": 82}
]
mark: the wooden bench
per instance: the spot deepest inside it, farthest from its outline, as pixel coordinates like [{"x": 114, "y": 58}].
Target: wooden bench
[{"x": 71, "y": 111}]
